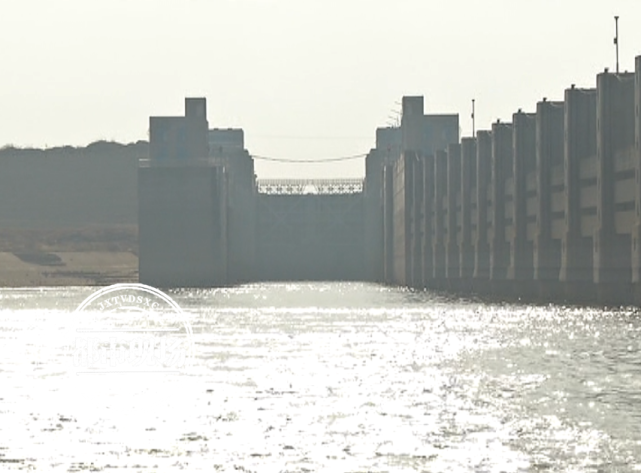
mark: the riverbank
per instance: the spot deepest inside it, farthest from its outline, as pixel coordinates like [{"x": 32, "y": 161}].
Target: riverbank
[
  {"x": 89, "y": 256},
  {"x": 67, "y": 269}
]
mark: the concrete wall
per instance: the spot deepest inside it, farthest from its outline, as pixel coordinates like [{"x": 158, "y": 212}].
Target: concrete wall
[
  {"x": 182, "y": 226},
  {"x": 389, "y": 143},
  {"x": 415, "y": 193},
  {"x": 180, "y": 138},
  {"x": 412, "y": 123},
  {"x": 310, "y": 237},
  {"x": 224, "y": 140},
  {"x": 439, "y": 131},
  {"x": 547, "y": 205},
  {"x": 551, "y": 207}
]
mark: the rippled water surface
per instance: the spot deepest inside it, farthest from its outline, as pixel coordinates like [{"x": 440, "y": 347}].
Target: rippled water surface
[{"x": 331, "y": 377}]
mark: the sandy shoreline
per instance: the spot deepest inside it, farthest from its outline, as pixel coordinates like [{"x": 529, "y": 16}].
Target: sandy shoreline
[{"x": 87, "y": 268}]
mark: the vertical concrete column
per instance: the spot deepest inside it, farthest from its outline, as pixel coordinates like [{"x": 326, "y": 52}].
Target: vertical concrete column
[
  {"x": 403, "y": 204},
  {"x": 452, "y": 271},
  {"x": 407, "y": 196},
  {"x": 524, "y": 162},
  {"x": 388, "y": 223},
  {"x": 438, "y": 240},
  {"x": 549, "y": 154},
  {"x": 579, "y": 145},
  {"x": 242, "y": 218},
  {"x": 219, "y": 196},
  {"x": 483, "y": 187},
  {"x": 428, "y": 230},
  {"x": 468, "y": 181},
  {"x": 418, "y": 224},
  {"x": 615, "y": 133},
  {"x": 221, "y": 216},
  {"x": 501, "y": 171},
  {"x": 636, "y": 231},
  {"x": 373, "y": 203}
]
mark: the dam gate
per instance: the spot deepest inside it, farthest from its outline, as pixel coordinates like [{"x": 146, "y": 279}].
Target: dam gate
[{"x": 309, "y": 230}]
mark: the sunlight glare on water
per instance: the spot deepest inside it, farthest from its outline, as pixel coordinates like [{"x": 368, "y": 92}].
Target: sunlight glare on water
[{"x": 331, "y": 377}]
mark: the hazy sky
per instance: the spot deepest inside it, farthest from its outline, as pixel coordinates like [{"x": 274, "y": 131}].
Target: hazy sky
[{"x": 304, "y": 78}]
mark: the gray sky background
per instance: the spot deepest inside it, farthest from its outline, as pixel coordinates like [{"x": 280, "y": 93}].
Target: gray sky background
[{"x": 304, "y": 78}]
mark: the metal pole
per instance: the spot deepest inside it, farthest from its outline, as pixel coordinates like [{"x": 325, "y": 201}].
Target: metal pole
[
  {"x": 616, "y": 39},
  {"x": 473, "y": 121}
]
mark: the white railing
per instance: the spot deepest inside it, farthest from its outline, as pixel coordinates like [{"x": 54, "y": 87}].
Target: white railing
[{"x": 309, "y": 186}]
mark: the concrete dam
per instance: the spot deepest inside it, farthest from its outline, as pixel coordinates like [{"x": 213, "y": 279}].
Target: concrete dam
[{"x": 545, "y": 206}]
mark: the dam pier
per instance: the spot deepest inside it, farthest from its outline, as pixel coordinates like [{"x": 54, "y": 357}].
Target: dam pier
[{"x": 546, "y": 206}]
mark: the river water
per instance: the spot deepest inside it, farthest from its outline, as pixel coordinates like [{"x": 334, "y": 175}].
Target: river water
[{"x": 334, "y": 377}]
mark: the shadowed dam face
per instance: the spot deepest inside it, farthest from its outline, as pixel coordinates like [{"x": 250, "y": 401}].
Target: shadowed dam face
[{"x": 310, "y": 237}]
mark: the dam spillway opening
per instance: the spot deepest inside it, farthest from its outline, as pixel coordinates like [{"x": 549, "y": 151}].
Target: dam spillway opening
[{"x": 309, "y": 229}]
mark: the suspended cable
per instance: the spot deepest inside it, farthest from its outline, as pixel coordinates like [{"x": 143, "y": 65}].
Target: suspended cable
[
  {"x": 306, "y": 161},
  {"x": 295, "y": 137}
]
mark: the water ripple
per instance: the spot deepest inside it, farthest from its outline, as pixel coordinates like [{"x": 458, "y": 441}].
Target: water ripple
[{"x": 332, "y": 377}]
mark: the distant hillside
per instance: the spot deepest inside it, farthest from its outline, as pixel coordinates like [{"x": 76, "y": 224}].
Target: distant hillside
[{"x": 70, "y": 187}]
